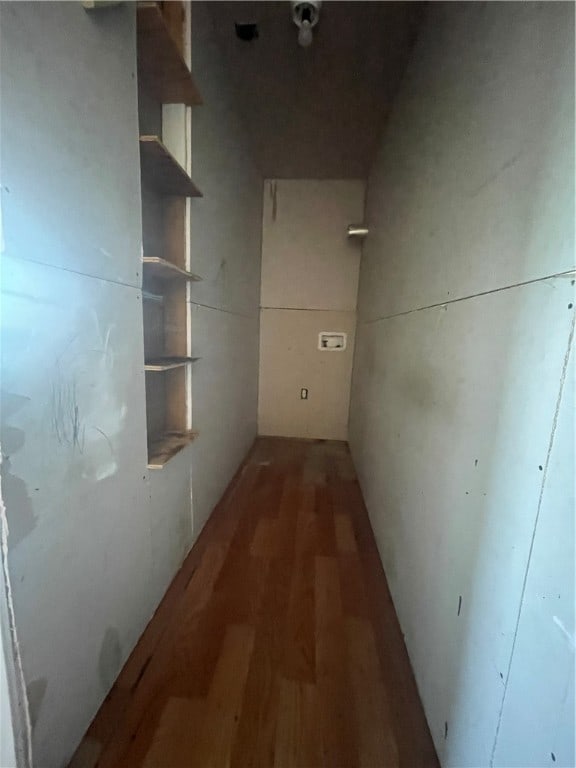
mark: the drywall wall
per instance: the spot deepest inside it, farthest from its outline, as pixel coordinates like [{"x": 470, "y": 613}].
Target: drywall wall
[
  {"x": 291, "y": 360},
  {"x": 307, "y": 260},
  {"x": 461, "y": 404},
  {"x": 316, "y": 112},
  {"x": 226, "y": 227},
  {"x": 309, "y": 284},
  {"x": 537, "y": 722},
  {"x": 73, "y": 437},
  {"x": 95, "y": 537}
]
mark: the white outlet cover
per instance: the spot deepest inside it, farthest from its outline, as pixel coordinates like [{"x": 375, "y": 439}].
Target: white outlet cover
[{"x": 332, "y": 341}]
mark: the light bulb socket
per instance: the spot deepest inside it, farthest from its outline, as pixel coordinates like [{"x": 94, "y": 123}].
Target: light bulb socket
[
  {"x": 305, "y": 15},
  {"x": 305, "y": 35}
]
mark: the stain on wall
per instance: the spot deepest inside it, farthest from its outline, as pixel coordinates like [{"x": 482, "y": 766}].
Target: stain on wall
[
  {"x": 110, "y": 658},
  {"x": 36, "y": 691}
]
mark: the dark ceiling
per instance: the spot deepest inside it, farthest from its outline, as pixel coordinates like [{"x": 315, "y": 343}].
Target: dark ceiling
[{"x": 316, "y": 112}]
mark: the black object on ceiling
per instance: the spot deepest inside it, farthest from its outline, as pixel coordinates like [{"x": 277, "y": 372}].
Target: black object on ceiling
[{"x": 246, "y": 32}]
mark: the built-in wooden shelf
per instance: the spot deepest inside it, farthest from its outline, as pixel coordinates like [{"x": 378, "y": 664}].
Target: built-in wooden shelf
[
  {"x": 161, "y": 450},
  {"x": 160, "y": 61},
  {"x": 159, "y": 364},
  {"x": 163, "y": 171},
  {"x": 160, "y": 269},
  {"x": 165, "y": 78}
]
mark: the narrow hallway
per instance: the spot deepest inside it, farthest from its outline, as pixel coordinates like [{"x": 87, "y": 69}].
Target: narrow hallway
[
  {"x": 287, "y": 321},
  {"x": 277, "y": 643}
]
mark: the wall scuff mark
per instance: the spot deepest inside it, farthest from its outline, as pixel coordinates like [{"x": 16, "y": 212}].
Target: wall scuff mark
[
  {"x": 564, "y": 631},
  {"x": 492, "y": 178},
  {"x": 66, "y": 423}
]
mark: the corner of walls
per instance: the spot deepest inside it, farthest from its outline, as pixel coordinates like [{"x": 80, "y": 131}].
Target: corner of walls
[{"x": 466, "y": 306}]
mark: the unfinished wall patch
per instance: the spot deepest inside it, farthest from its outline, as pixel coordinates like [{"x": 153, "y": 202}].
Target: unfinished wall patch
[{"x": 20, "y": 514}]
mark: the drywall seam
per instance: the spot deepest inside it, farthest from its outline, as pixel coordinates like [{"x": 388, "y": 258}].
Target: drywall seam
[
  {"x": 220, "y": 309},
  {"x": 20, "y": 715},
  {"x": 540, "y": 497},
  {"x": 136, "y": 286},
  {"x": 568, "y": 273},
  {"x": 305, "y": 309}
]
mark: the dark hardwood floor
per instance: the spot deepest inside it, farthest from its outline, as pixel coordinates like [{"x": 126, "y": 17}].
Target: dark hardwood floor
[{"x": 277, "y": 643}]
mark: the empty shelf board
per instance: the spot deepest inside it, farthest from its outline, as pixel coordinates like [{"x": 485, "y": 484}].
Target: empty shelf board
[
  {"x": 168, "y": 363},
  {"x": 163, "y": 448},
  {"x": 163, "y": 171},
  {"x": 161, "y": 269},
  {"x": 160, "y": 63}
]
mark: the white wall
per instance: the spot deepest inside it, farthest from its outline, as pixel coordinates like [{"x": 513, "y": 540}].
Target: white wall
[
  {"x": 95, "y": 538},
  {"x": 461, "y": 404},
  {"x": 538, "y": 711},
  {"x": 309, "y": 285}
]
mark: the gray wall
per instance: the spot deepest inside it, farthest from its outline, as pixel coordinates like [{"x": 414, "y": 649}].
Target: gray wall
[
  {"x": 463, "y": 392},
  {"x": 226, "y": 227},
  {"x": 95, "y": 537}
]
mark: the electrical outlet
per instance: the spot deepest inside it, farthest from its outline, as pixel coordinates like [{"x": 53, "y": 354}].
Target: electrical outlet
[
  {"x": 303, "y": 394},
  {"x": 331, "y": 341}
]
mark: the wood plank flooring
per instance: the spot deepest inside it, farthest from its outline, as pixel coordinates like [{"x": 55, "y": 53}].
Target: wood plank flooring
[{"x": 277, "y": 644}]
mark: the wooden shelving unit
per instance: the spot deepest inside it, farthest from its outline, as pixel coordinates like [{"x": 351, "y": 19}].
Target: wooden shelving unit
[
  {"x": 164, "y": 78},
  {"x": 162, "y": 450},
  {"x": 160, "y": 60},
  {"x": 156, "y": 268},
  {"x": 160, "y": 364},
  {"x": 163, "y": 171}
]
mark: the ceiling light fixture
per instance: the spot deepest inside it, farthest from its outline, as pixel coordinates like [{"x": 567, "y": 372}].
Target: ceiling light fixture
[{"x": 305, "y": 15}]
